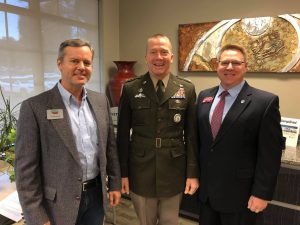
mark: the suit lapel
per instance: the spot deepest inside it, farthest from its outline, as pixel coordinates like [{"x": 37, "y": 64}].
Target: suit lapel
[
  {"x": 207, "y": 106},
  {"x": 240, "y": 104},
  {"x": 63, "y": 126}
]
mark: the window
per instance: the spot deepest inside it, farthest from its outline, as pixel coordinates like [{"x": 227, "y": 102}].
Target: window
[{"x": 30, "y": 33}]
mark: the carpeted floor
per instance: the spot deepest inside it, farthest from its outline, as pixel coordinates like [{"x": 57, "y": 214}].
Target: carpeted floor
[{"x": 124, "y": 214}]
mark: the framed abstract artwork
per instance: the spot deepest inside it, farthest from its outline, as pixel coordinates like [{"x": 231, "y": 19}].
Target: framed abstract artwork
[{"x": 272, "y": 44}]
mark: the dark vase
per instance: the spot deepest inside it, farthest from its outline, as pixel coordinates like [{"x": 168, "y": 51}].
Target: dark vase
[{"x": 124, "y": 73}]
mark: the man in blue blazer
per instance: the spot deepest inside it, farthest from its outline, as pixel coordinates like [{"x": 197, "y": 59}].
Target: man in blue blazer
[
  {"x": 240, "y": 161},
  {"x": 65, "y": 148}
]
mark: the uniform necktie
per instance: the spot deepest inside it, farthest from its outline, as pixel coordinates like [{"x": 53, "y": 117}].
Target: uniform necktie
[
  {"x": 159, "y": 90},
  {"x": 216, "y": 119}
]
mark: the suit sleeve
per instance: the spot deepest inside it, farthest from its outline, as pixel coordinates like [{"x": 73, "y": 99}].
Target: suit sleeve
[
  {"x": 190, "y": 136},
  {"x": 123, "y": 134},
  {"x": 269, "y": 152},
  {"x": 27, "y": 167}
]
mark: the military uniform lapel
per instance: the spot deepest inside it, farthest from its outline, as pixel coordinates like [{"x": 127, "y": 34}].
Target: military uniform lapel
[
  {"x": 63, "y": 126},
  {"x": 147, "y": 87},
  {"x": 240, "y": 104},
  {"x": 172, "y": 87}
]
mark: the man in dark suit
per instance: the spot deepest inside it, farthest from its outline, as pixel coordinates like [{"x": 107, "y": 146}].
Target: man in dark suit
[
  {"x": 239, "y": 155},
  {"x": 65, "y": 148},
  {"x": 158, "y": 160}
]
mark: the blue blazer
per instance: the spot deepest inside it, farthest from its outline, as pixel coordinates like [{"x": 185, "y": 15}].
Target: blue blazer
[{"x": 245, "y": 157}]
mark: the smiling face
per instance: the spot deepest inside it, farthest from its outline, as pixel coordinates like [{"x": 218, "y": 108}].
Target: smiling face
[
  {"x": 75, "y": 67},
  {"x": 159, "y": 56},
  {"x": 231, "y": 68}
]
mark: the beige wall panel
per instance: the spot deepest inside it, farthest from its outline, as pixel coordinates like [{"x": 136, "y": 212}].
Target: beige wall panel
[{"x": 140, "y": 19}]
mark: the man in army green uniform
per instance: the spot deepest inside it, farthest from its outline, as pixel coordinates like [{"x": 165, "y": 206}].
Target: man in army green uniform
[{"x": 157, "y": 137}]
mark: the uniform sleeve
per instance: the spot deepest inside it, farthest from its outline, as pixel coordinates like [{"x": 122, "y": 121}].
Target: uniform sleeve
[
  {"x": 123, "y": 135},
  {"x": 190, "y": 135}
]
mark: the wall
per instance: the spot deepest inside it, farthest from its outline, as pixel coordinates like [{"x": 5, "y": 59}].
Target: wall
[
  {"x": 109, "y": 38},
  {"x": 140, "y": 19}
]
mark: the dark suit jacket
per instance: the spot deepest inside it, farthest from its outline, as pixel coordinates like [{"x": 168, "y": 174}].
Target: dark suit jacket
[
  {"x": 157, "y": 171},
  {"x": 244, "y": 159},
  {"x": 48, "y": 170}
]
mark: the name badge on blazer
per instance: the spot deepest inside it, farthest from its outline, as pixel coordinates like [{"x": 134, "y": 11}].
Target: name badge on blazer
[{"x": 55, "y": 114}]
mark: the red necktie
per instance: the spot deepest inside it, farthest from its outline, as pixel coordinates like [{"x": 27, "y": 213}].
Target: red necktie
[{"x": 216, "y": 119}]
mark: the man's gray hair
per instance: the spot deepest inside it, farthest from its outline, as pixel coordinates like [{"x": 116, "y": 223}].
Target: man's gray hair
[{"x": 73, "y": 43}]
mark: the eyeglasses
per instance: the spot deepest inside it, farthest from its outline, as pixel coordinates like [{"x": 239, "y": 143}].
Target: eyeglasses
[{"x": 226, "y": 63}]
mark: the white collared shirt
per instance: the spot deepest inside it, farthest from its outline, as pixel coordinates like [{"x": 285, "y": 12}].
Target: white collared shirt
[
  {"x": 84, "y": 130},
  {"x": 229, "y": 99}
]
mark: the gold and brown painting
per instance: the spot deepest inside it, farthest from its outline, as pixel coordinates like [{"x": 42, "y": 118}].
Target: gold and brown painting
[{"x": 272, "y": 44}]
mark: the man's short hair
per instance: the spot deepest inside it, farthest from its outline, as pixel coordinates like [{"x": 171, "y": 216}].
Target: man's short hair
[
  {"x": 158, "y": 36},
  {"x": 73, "y": 43},
  {"x": 232, "y": 47}
]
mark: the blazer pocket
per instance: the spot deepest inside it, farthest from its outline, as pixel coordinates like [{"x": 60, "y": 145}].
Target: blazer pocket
[
  {"x": 245, "y": 173},
  {"x": 49, "y": 193}
]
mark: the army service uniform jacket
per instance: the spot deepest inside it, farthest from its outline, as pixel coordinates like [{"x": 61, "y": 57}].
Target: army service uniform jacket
[{"x": 157, "y": 140}]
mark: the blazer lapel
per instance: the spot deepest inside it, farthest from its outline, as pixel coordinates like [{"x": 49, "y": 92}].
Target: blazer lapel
[
  {"x": 98, "y": 113},
  {"x": 240, "y": 104},
  {"x": 63, "y": 126}
]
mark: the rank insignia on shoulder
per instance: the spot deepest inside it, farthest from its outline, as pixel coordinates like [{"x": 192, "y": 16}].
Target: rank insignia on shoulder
[
  {"x": 185, "y": 79},
  {"x": 131, "y": 79},
  {"x": 179, "y": 94}
]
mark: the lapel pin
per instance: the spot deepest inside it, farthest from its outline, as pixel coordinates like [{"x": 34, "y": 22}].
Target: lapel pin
[
  {"x": 207, "y": 99},
  {"x": 242, "y": 101}
]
